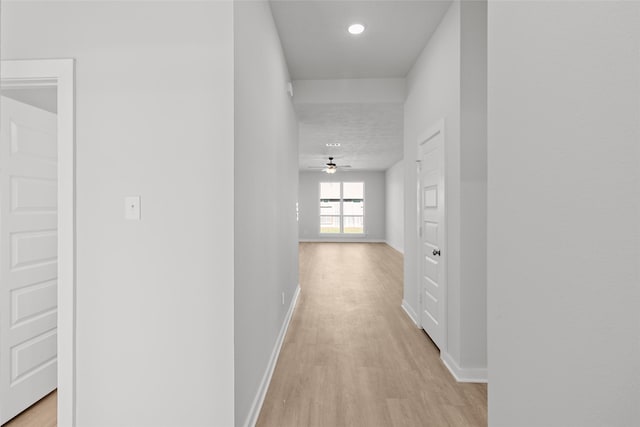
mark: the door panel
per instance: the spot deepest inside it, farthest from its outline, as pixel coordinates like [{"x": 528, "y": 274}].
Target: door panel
[
  {"x": 430, "y": 304},
  {"x": 32, "y": 355},
  {"x": 31, "y": 140},
  {"x": 431, "y": 233},
  {"x": 430, "y": 269},
  {"x": 33, "y": 248},
  {"x": 33, "y": 195},
  {"x": 31, "y": 301},
  {"x": 431, "y": 212},
  {"x": 28, "y": 256}
]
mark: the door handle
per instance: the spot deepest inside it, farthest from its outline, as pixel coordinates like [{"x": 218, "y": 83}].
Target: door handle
[{"x": 436, "y": 252}]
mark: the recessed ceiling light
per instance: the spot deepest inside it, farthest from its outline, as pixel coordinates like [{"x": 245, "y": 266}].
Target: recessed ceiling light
[
  {"x": 332, "y": 144},
  {"x": 356, "y": 29}
]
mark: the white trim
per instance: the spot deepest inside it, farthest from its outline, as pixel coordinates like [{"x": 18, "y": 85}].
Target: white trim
[
  {"x": 30, "y": 83},
  {"x": 463, "y": 375},
  {"x": 338, "y": 240},
  {"x": 39, "y": 73},
  {"x": 256, "y": 406},
  {"x": 410, "y": 312}
]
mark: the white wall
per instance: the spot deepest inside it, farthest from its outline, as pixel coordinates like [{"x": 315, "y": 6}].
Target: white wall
[
  {"x": 564, "y": 204},
  {"x": 266, "y": 231},
  {"x": 441, "y": 85},
  {"x": 349, "y": 91},
  {"x": 394, "y": 206},
  {"x": 433, "y": 93},
  {"x": 473, "y": 184},
  {"x": 154, "y": 117},
  {"x": 374, "y": 204}
]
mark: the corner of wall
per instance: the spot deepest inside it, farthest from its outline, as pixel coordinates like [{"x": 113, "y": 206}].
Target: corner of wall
[{"x": 394, "y": 246}]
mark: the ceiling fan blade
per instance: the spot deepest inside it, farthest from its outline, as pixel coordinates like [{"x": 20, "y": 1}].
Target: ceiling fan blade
[
  {"x": 325, "y": 167},
  {"x": 330, "y": 167}
]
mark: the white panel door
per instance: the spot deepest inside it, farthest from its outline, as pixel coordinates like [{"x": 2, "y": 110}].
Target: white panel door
[
  {"x": 28, "y": 256},
  {"x": 431, "y": 236}
]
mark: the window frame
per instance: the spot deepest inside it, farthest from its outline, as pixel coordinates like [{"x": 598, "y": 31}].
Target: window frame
[{"x": 341, "y": 215}]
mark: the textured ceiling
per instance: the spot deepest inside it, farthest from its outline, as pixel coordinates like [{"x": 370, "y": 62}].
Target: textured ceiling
[
  {"x": 370, "y": 135},
  {"x": 317, "y": 45}
]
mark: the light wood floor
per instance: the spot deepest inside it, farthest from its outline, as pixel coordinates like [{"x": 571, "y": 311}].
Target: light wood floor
[
  {"x": 41, "y": 414},
  {"x": 352, "y": 357}
]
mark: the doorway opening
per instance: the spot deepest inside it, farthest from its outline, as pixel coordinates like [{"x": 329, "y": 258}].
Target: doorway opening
[{"x": 37, "y": 233}]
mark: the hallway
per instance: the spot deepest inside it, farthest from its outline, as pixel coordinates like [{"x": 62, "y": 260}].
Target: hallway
[{"x": 352, "y": 357}]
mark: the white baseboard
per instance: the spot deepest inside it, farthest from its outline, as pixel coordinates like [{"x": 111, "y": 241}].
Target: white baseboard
[
  {"x": 339, "y": 240},
  {"x": 252, "y": 418},
  {"x": 410, "y": 312},
  {"x": 401, "y": 250},
  {"x": 463, "y": 375}
]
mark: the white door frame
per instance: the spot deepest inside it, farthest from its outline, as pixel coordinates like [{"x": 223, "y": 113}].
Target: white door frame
[
  {"x": 433, "y": 131},
  {"x": 59, "y": 73}
]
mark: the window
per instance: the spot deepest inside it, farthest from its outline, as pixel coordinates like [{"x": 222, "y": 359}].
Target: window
[{"x": 342, "y": 207}]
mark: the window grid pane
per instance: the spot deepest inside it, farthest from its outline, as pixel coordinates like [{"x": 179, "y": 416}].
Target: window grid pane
[
  {"x": 353, "y": 190},
  {"x": 342, "y": 208},
  {"x": 330, "y": 190},
  {"x": 330, "y": 207},
  {"x": 353, "y": 207},
  {"x": 330, "y": 224},
  {"x": 353, "y": 224}
]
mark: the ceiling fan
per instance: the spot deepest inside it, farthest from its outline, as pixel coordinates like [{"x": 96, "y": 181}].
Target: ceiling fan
[{"x": 329, "y": 167}]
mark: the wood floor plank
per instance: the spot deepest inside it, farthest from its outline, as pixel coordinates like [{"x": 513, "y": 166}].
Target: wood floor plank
[
  {"x": 352, "y": 357},
  {"x": 42, "y": 414}
]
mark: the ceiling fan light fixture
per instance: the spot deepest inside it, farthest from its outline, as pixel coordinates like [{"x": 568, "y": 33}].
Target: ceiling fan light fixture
[
  {"x": 331, "y": 170},
  {"x": 356, "y": 29}
]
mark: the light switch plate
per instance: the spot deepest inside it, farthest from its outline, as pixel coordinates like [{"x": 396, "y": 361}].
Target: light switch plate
[{"x": 132, "y": 208}]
